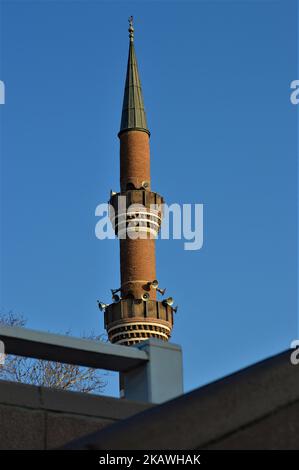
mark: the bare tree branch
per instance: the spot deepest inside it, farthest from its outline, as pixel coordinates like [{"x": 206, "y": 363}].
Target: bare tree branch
[{"x": 49, "y": 373}]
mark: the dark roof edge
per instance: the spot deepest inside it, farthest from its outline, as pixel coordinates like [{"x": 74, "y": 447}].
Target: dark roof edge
[{"x": 206, "y": 414}]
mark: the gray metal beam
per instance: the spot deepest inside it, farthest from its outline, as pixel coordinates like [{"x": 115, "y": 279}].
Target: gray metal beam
[
  {"x": 70, "y": 350},
  {"x": 161, "y": 378}
]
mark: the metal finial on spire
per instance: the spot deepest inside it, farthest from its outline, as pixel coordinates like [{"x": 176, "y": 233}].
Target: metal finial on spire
[
  {"x": 131, "y": 29},
  {"x": 133, "y": 113}
]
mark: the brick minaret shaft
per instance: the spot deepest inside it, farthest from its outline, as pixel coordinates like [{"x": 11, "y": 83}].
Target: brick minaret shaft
[
  {"x": 137, "y": 257},
  {"x": 137, "y": 314}
]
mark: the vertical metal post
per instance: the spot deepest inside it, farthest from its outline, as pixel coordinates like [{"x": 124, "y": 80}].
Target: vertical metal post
[{"x": 160, "y": 378}]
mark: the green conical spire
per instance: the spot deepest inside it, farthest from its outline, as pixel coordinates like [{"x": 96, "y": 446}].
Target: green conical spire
[{"x": 133, "y": 113}]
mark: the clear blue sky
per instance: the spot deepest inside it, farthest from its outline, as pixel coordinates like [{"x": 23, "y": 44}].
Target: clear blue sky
[{"x": 216, "y": 79}]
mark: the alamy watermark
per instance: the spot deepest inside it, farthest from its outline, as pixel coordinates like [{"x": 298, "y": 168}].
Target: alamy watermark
[
  {"x": 179, "y": 222},
  {"x": 294, "y": 358},
  {"x": 2, "y": 92},
  {"x": 294, "y": 97},
  {"x": 295, "y": 94},
  {"x": 2, "y": 353}
]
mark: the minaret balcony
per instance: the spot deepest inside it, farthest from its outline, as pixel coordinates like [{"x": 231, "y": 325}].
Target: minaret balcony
[
  {"x": 131, "y": 321},
  {"x": 136, "y": 213}
]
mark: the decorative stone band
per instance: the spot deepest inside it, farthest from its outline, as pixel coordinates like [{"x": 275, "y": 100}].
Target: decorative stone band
[
  {"x": 131, "y": 321},
  {"x": 134, "y": 332},
  {"x": 136, "y": 212}
]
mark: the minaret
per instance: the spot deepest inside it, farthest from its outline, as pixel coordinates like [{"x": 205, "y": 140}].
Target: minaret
[{"x": 136, "y": 314}]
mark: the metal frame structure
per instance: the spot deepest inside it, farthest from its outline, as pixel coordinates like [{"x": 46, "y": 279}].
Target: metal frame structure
[{"x": 150, "y": 371}]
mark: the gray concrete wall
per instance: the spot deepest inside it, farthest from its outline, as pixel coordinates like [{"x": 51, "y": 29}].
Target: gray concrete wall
[
  {"x": 255, "y": 408},
  {"x": 279, "y": 430},
  {"x": 40, "y": 418}
]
